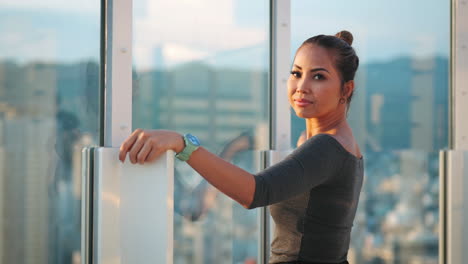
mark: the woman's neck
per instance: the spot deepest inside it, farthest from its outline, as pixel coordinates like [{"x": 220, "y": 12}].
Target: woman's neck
[{"x": 328, "y": 125}]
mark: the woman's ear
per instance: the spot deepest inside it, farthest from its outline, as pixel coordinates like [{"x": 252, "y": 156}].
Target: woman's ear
[{"x": 348, "y": 88}]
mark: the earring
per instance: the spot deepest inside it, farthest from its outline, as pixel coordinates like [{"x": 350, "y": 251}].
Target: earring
[{"x": 342, "y": 100}]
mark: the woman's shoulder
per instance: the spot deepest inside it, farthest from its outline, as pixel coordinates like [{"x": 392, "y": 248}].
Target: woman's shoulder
[{"x": 345, "y": 145}]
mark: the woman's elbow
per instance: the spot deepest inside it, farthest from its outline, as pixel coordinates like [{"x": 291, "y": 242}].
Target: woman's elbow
[
  {"x": 248, "y": 203},
  {"x": 247, "y": 206}
]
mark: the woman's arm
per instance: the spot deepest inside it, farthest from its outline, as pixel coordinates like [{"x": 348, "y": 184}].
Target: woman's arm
[
  {"x": 146, "y": 145},
  {"x": 226, "y": 177}
]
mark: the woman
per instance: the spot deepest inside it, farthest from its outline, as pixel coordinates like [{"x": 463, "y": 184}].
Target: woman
[{"x": 313, "y": 192}]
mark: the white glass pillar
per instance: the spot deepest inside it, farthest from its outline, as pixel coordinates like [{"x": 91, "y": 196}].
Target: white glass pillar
[{"x": 454, "y": 172}]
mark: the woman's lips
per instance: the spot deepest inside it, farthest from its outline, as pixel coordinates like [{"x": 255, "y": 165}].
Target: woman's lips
[{"x": 302, "y": 102}]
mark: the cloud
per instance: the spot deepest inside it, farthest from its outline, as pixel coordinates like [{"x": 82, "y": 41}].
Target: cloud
[
  {"x": 16, "y": 42},
  {"x": 194, "y": 28},
  {"x": 179, "y": 30},
  {"x": 81, "y": 6}
]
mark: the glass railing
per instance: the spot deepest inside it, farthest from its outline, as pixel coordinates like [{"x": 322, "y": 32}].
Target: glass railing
[
  {"x": 49, "y": 110},
  {"x": 201, "y": 67},
  {"x": 398, "y": 213}
]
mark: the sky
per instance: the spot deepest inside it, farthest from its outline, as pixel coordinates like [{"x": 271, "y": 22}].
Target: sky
[
  {"x": 226, "y": 32},
  {"x": 381, "y": 29}
]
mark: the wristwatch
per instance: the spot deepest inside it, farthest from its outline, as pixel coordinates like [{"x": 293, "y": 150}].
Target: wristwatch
[{"x": 191, "y": 144}]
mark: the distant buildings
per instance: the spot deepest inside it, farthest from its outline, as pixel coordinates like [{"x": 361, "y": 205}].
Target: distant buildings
[{"x": 47, "y": 112}]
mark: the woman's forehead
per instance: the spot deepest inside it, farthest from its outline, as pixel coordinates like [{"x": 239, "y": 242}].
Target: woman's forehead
[{"x": 312, "y": 56}]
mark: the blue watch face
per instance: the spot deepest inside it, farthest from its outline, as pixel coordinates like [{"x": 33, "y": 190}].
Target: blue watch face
[{"x": 193, "y": 139}]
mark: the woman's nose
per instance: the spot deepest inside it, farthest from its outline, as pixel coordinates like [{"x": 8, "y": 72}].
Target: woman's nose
[{"x": 301, "y": 87}]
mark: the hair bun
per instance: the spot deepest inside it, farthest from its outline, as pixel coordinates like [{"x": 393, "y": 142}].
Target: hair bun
[{"x": 346, "y": 36}]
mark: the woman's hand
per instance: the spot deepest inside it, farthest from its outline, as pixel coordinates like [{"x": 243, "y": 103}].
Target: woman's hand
[{"x": 146, "y": 145}]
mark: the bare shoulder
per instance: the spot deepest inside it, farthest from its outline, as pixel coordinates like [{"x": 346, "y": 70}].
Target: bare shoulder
[
  {"x": 302, "y": 138},
  {"x": 349, "y": 143}
]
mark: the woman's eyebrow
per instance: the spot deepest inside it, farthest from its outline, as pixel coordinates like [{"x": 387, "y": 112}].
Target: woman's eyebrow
[
  {"x": 313, "y": 70},
  {"x": 319, "y": 69}
]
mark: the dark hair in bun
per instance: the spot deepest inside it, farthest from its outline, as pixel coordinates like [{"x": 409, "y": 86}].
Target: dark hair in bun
[
  {"x": 346, "y": 36},
  {"x": 346, "y": 60}
]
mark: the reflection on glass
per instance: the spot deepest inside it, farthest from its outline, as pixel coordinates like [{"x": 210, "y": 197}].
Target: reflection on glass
[
  {"x": 49, "y": 68},
  {"x": 399, "y": 116},
  {"x": 201, "y": 67}
]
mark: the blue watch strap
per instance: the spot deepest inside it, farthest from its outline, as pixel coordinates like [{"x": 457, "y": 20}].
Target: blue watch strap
[{"x": 191, "y": 144}]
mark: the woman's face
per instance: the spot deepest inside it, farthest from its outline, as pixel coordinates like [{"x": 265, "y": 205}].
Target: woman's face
[{"x": 314, "y": 86}]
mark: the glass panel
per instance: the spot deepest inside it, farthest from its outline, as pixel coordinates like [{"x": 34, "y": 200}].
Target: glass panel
[
  {"x": 399, "y": 117},
  {"x": 202, "y": 67},
  {"x": 49, "y": 84}
]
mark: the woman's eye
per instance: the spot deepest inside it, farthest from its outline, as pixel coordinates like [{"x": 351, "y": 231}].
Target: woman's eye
[
  {"x": 318, "y": 77},
  {"x": 296, "y": 74}
]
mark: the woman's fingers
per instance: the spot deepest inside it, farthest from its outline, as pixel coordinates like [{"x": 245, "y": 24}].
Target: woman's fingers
[
  {"x": 154, "y": 154},
  {"x": 146, "y": 145},
  {"x": 144, "y": 152},
  {"x": 128, "y": 144},
  {"x": 132, "y": 154}
]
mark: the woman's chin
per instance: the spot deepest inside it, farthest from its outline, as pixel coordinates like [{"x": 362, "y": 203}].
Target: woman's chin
[{"x": 303, "y": 114}]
